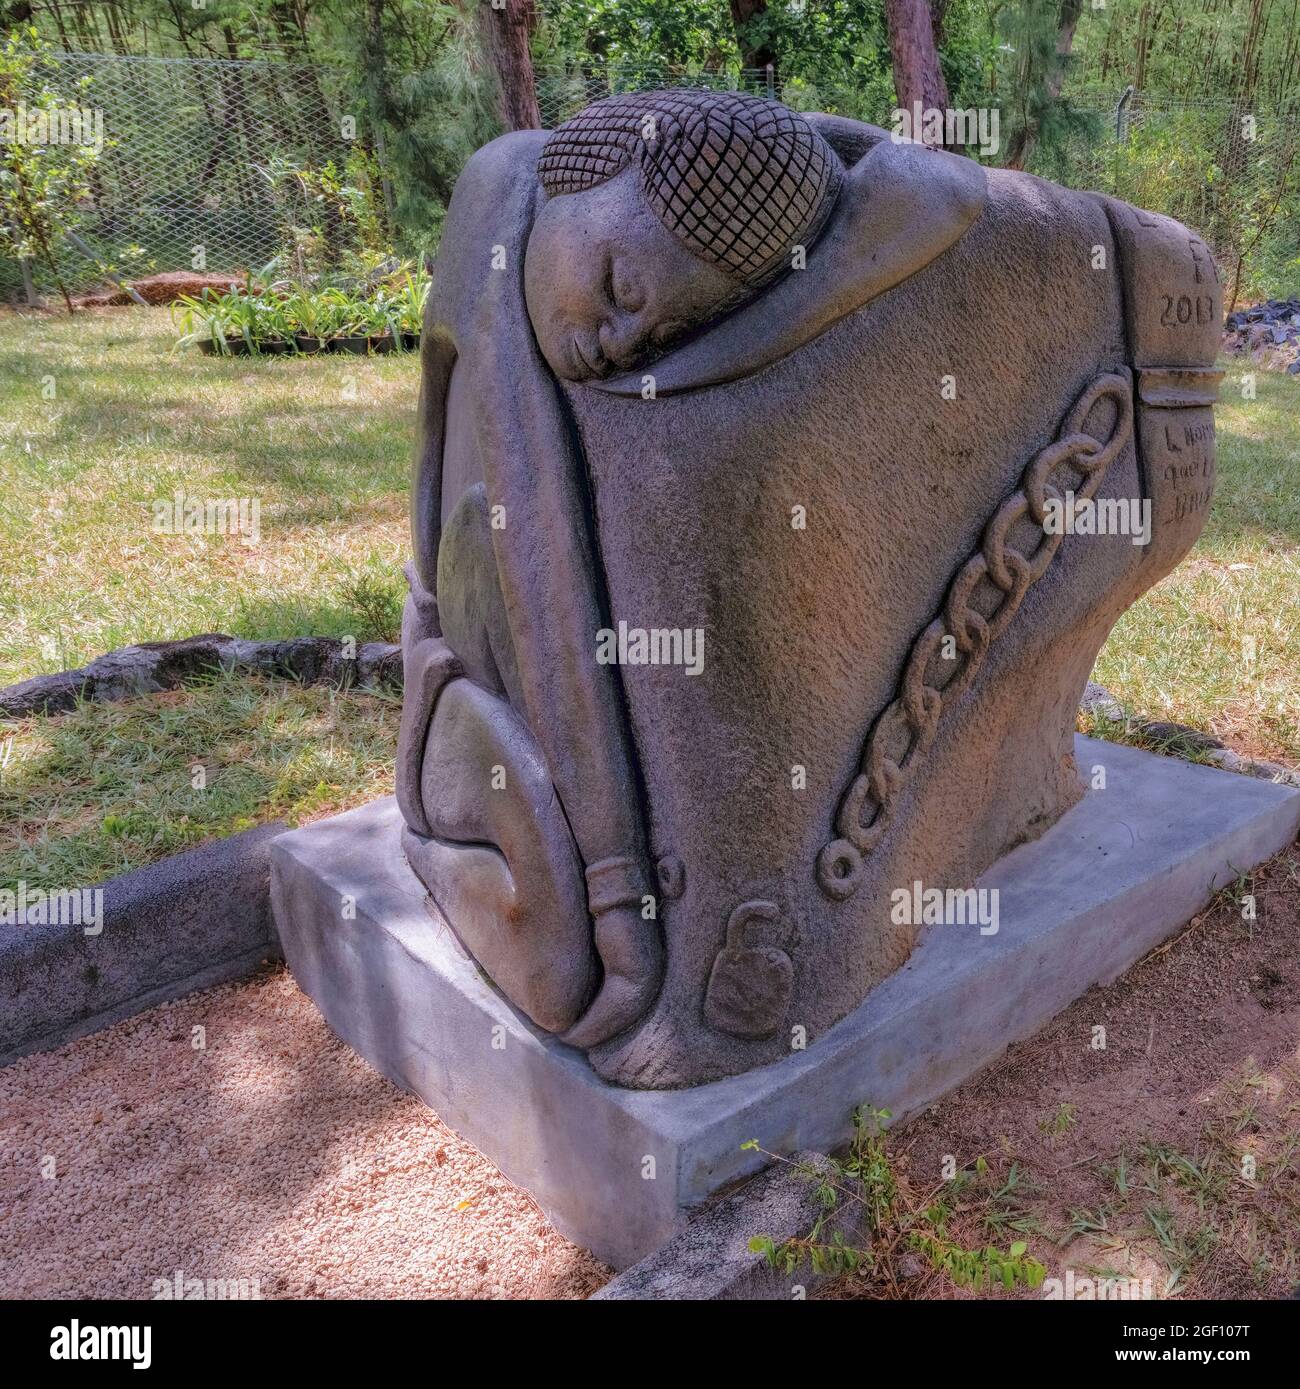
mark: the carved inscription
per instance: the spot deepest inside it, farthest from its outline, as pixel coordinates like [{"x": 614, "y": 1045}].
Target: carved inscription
[
  {"x": 1178, "y": 451},
  {"x": 1184, "y": 310}
]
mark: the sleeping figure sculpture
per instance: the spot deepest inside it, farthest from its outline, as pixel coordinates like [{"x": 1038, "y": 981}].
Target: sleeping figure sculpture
[{"x": 747, "y": 584}]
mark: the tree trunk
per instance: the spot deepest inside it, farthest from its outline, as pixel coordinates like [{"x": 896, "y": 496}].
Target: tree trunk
[
  {"x": 1022, "y": 142},
  {"x": 917, "y": 74},
  {"x": 29, "y": 287},
  {"x": 376, "y": 61},
  {"x": 504, "y": 34},
  {"x": 754, "y": 53}
]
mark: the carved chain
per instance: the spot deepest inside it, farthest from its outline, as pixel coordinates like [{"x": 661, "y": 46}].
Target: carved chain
[{"x": 982, "y": 600}]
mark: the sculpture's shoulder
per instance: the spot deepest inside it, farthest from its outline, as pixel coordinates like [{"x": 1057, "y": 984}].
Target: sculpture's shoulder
[
  {"x": 501, "y": 164},
  {"x": 497, "y": 188},
  {"x": 851, "y": 140},
  {"x": 493, "y": 204}
]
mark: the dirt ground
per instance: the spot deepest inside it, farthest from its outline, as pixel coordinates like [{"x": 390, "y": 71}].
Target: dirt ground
[
  {"x": 270, "y": 1152},
  {"x": 1173, "y": 1153}
]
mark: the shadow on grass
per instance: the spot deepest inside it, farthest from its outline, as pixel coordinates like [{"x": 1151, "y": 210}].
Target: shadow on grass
[
  {"x": 253, "y": 418},
  {"x": 110, "y": 787}
]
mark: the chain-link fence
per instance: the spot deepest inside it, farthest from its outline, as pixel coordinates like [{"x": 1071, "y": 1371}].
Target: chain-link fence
[
  {"x": 188, "y": 174},
  {"x": 1230, "y": 172},
  {"x": 192, "y": 149},
  {"x": 561, "y": 95}
]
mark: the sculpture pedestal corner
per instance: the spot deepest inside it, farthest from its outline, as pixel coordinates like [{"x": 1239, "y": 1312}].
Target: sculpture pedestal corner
[{"x": 616, "y": 1170}]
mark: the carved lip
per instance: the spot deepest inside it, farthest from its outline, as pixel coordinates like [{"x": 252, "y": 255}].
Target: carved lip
[{"x": 586, "y": 366}]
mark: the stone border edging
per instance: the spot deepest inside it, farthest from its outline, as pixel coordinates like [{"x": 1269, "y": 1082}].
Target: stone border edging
[
  {"x": 1097, "y": 699},
  {"x": 188, "y": 922},
  {"x": 710, "y": 1259},
  {"x": 152, "y": 666}
]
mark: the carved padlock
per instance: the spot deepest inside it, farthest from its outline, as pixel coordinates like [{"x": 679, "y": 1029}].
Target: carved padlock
[{"x": 749, "y": 985}]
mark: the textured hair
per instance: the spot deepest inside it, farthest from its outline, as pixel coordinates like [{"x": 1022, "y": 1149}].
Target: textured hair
[{"x": 738, "y": 179}]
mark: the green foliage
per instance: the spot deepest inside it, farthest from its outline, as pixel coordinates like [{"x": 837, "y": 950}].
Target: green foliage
[
  {"x": 892, "y": 1218},
  {"x": 40, "y": 183},
  {"x": 411, "y": 74},
  {"x": 1060, "y": 1121},
  {"x": 1033, "y": 109},
  {"x": 637, "y": 34},
  {"x": 275, "y": 315},
  {"x": 376, "y": 595}
]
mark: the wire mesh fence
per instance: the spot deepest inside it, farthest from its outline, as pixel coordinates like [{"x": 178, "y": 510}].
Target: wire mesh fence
[
  {"x": 188, "y": 174},
  {"x": 1230, "y": 172},
  {"x": 192, "y": 146}
]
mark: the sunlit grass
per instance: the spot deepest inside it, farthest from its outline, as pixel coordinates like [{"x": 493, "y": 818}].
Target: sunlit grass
[
  {"x": 98, "y": 420},
  {"x": 114, "y": 786},
  {"x": 1217, "y": 644}
]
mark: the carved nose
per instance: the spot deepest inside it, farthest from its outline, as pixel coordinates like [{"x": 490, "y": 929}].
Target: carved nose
[{"x": 622, "y": 345}]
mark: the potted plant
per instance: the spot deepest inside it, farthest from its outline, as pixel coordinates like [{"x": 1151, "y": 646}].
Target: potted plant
[
  {"x": 410, "y": 300},
  {"x": 215, "y": 323},
  {"x": 316, "y": 317},
  {"x": 381, "y": 324},
  {"x": 353, "y": 331},
  {"x": 272, "y": 325},
  {"x": 234, "y": 323},
  {"x": 194, "y": 321}
]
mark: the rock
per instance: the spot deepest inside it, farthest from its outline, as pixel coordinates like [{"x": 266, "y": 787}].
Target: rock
[
  {"x": 1180, "y": 733},
  {"x": 164, "y": 665},
  {"x": 1098, "y": 700}
]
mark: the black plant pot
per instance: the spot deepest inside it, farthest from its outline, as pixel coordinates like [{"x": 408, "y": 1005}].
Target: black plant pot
[
  {"x": 208, "y": 347},
  {"x": 357, "y": 346},
  {"x": 308, "y": 345},
  {"x": 381, "y": 343},
  {"x": 410, "y": 342}
]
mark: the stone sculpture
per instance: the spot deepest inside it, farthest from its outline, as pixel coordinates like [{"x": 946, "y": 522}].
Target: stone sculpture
[{"x": 735, "y": 603}]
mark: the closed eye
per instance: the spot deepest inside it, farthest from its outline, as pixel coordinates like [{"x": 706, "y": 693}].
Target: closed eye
[
  {"x": 627, "y": 298},
  {"x": 664, "y": 334}
]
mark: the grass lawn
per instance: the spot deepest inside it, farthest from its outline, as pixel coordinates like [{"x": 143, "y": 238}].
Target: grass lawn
[
  {"x": 1217, "y": 644},
  {"x": 325, "y": 448},
  {"x": 113, "y": 786},
  {"x": 98, "y": 420},
  {"x": 323, "y": 445}
]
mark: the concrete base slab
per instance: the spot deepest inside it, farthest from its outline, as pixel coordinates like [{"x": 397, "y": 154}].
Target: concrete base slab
[{"x": 616, "y": 1169}]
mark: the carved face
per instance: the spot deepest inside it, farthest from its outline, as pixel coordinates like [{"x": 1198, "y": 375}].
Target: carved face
[{"x": 609, "y": 287}]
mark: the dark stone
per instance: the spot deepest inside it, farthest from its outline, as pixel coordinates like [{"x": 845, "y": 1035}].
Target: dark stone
[
  {"x": 164, "y": 665},
  {"x": 1179, "y": 733},
  {"x": 796, "y": 398},
  {"x": 186, "y": 923},
  {"x": 48, "y": 694}
]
